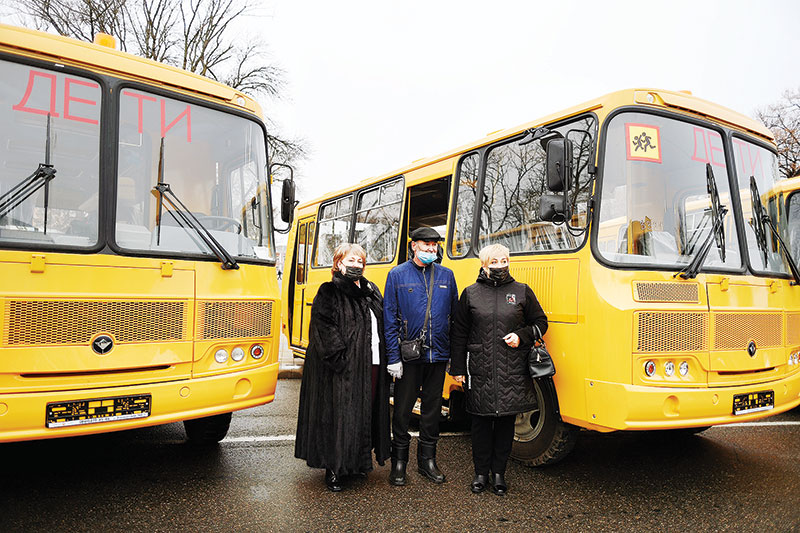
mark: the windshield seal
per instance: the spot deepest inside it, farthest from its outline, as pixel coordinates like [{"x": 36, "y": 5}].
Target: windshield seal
[
  {"x": 205, "y": 255},
  {"x": 601, "y": 182}
]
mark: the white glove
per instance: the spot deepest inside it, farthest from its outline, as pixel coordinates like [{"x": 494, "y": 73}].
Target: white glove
[{"x": 395, "y": 370}]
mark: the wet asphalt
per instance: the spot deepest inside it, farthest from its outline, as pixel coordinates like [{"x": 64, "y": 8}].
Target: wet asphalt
[{"x": 726, "y": 479}]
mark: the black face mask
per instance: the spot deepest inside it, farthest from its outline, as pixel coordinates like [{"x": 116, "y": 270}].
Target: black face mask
[
  {"x": 499, "y": 274},
  {"x": 352, "y": 272}
]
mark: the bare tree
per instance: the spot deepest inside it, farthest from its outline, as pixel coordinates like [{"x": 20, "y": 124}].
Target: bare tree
[
  {"x": 783, "y": 118},
  {"x": 201, "y": 36}
]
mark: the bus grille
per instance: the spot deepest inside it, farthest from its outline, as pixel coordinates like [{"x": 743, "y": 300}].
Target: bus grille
[
  {"x": 225, "y": 319},
  {"x": 733, "y": 331},
  {"x": 793, "y": 329},
  {"x": 647, "y": 291},
  {"x": 671, "y": 332},
  {"x": 61, "y": 322}
]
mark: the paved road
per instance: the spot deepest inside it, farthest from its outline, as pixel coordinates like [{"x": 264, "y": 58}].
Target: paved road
[{"x": 740, "y": 478}]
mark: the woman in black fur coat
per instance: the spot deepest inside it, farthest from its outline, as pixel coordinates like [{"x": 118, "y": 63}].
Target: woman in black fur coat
[{"x": 344, "y": 395}]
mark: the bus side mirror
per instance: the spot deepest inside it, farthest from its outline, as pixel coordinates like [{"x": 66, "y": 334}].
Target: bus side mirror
[
  {"x": 287, "y": 192},
  {"x": 553, "y": 208},
  {"x": 559, "y": 164},
  {"x": 287, "y": 201}
]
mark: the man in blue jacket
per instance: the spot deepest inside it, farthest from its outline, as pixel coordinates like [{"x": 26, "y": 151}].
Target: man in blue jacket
[{"x": 405, "y": 302}]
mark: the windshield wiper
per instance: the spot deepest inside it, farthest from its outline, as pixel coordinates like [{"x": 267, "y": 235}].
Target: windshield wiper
[
  {"x": 759, "y": 220},
  {"x": 26, "y": 188},
  {"x": 185, "y": 218},
  {"x": 717, "y": 232}
]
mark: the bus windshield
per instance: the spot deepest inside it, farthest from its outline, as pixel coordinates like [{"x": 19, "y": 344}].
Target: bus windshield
[
  {"x": 53, "y": 118},
  {"x": 214, "y": 162},
  {"x": 655, "y": 208}
]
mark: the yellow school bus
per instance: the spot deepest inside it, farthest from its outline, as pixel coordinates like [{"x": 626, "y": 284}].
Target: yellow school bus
[
  {"x": 631, "y": 218},
  {"x": 137, "y": 257}
]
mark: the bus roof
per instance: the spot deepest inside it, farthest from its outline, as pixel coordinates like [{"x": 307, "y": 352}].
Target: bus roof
[
  {"x": 658, "y": 98},
  {"x": 29, "y": 42}
]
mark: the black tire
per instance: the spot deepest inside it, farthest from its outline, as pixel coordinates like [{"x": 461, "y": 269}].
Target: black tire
[
  {"x": 208, "y": 430},
  {"x": 540, "y": 437}
]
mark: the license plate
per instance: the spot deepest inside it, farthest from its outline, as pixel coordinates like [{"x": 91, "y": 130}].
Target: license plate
[
  {"x": 753, "y": 402},
  {"x": 79, "y": 412}
]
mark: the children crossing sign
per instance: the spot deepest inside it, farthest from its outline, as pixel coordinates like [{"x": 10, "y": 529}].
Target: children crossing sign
[{"x": 643, "y": 142}]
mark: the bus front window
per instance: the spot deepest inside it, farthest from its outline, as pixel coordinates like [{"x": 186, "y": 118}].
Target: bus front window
[
  {"x": 214, "y": 162},
  {"x": 655, "y": 208},
  {"x": 51, "y": 118},
  {"x": 762, "y": 165}
]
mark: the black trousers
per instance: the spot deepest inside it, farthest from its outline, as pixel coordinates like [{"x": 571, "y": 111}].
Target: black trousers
[
  {"x": 429, "y": 377},
  {"x": 492, "y": 438}
]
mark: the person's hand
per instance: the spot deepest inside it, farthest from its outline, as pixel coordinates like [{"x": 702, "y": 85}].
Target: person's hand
[
  {"x": 512, "y": 339},
  {"x": 395, "y": 370},
  {"x": 460, "y": 379}
]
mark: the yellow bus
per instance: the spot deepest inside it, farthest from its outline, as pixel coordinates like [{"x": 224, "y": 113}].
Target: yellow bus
[
  {"x": 630, "y": 217},
  {"x": 137, "y": 256}
]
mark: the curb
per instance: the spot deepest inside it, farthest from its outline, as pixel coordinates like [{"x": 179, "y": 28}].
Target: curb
[{"x": 290, "y": 371}]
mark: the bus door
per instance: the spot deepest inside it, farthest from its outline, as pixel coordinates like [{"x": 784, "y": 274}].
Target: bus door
[
  {"x": 301, "y": 309},
  {"x": 427, "y": 207}
]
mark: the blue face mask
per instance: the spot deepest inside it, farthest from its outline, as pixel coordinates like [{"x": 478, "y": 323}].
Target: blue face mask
[{"x": 426, "y": 258}]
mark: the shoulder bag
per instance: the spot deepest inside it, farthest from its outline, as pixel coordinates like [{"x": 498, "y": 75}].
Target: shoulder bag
[{"x": 540, "y": 364}]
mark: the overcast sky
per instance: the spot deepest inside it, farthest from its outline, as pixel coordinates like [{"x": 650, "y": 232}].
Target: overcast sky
[{"x": 374, "y": 85}]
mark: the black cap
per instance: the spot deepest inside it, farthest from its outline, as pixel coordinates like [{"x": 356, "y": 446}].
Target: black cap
[{"x": 425, "y": 234}]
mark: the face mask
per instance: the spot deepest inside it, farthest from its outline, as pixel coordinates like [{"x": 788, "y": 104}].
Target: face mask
[
  {"x": 498, "y": 274},
  {"x": 351, "y": 272},
  {"x": 426, "y": 258}
]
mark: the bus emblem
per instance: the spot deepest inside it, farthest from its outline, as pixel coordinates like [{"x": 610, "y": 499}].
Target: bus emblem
[
  {"x": 102, "y": 344},
  {"x": 751, "y": 349}
]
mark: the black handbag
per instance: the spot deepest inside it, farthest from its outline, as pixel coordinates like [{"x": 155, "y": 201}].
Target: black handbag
[
  {"x": 540, "y": 364},
  {"x": 412, "y": 349}
]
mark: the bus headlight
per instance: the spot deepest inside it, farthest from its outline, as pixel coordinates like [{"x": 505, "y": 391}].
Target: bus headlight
[
  {"x": 221, "y": 356},
  {"x": 669, "y": 368},
  {"x": 237, "y": 354},
  {"x": 683, "y": 369},
  {"x": 649, "y": 368},
  {"x": 256, "y": 351}
]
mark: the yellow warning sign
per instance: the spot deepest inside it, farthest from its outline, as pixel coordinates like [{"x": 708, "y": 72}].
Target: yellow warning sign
[{"x": 643, "y": 142}]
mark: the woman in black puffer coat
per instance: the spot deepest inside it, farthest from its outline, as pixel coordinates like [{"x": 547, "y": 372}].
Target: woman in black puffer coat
[{"x": 491, "y": 336}]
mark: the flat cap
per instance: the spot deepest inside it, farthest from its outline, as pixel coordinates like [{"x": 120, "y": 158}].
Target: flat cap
[{"x": 425, "y": 234}]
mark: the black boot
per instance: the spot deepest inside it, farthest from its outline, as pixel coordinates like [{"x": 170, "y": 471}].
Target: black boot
[
  {"x": 426, "y": 463},
  {"x": 499, "y": 486},
  {"x": 332, "y": 481},
  {"x": 397, "y": 476},
  {"x": 480, "y": 483}
]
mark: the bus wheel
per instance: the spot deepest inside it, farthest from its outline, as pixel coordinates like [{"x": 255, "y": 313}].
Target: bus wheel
[
  {"x": 208, "y": 430},
  {"x": 540, "y": 438}
]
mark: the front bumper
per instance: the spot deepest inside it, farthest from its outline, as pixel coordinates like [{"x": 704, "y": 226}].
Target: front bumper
[
  {"x": 616, "y": 406},
  {"x": 22, "y": 416}
]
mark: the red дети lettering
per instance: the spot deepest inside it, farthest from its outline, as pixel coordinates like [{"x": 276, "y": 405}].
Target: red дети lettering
[
  {"x": 141, "y": 98},
  {"x": 23, "y": 104},
  {"x": 186, "y": 112},
  {"x": 68, "y": 98},
  {"x": 708, "y": 139}
]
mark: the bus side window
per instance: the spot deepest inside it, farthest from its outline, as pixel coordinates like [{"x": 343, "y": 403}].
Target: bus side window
[
  {"x": 466, "y": 192},
  {"x": 335, "y": 219},
  {"x": 378, "y": 221}
]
